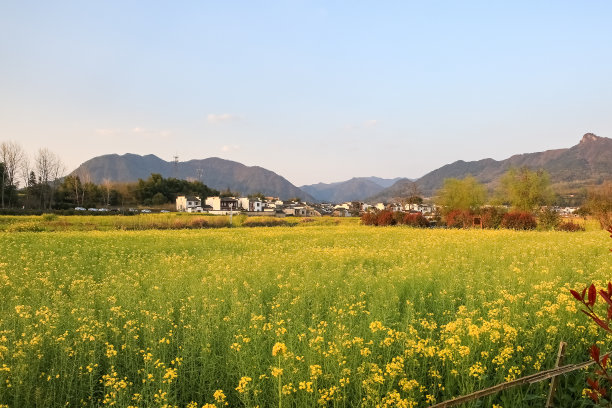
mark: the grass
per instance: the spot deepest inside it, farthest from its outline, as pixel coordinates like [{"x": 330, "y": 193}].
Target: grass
[{"x": 331, "y": 315}]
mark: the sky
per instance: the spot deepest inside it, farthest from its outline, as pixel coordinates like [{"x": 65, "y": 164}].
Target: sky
[{"x": 316, "y": 91}]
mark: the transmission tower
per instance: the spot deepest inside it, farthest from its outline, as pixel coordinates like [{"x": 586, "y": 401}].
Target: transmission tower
[
  {"x": 200, "y": 173},
  {"x": 175, "y": 166}
]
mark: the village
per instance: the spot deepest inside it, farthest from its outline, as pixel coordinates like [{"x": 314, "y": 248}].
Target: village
[{"x": 275, "y": 207}]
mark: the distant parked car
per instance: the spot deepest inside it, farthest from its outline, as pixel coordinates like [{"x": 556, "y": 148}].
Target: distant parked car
[
  {"x": 103, "y": 209},
  {"x": 79, "y": 209},
  {"x": 164, "y": 211},
  {"x": 92, "y": 209},
  {"x": 145, "y": 211},
  {"x": 132, "y": 210}
]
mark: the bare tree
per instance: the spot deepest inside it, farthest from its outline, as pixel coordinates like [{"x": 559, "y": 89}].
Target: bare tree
[
  {"x": 26, "y": 173},
  {"x": 414, "y": 196},
  {"x": 25, "y": 168},
  {"x": 81, "y": 178},
  {"x": 107, "y": 185},
  {"x": 11, "y": 155},
  {"x": 49, "y": 167}
]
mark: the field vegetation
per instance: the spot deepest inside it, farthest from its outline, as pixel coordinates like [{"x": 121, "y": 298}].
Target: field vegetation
[
  {"x": 53, "y": 222},
  {"x": 309, "y": 315}
]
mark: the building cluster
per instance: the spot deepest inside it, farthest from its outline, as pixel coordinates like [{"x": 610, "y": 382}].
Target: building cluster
[{"x": 272, "y": 206}]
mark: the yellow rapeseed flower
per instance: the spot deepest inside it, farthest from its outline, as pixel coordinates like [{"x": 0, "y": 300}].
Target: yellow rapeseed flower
[{"x": 279, "y": 349}]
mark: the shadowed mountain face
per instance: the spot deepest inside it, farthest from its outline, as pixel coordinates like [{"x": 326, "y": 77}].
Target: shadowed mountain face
[
  {"x": 217, "y": 173},
  {"x": 588, "y": 163},
  {"x": 355, "y": 189}
]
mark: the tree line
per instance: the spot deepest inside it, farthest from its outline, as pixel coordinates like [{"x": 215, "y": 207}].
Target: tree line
[
  {"x": 36, "y": 183},
  {"x": 524, "y": 190}
]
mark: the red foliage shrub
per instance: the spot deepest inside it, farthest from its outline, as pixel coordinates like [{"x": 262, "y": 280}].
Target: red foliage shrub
[
  {"x": 519, "y": 220},
  {"x": 459, "y": 219},
  {"x": 415, "y": 220},
  {"x": 492, "y": 217},
  {"x": 569, "y": 226},
  {"x": 385, "y": 218},
  {"x": 398, "y": 217},
  {"x": 368, "y": 218}
]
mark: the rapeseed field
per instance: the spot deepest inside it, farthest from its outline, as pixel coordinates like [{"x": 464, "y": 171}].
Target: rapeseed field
[{"x": 340, "y": 315}]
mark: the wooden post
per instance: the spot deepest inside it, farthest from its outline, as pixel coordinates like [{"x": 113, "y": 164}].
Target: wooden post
[{"x": 550, "y": 401}]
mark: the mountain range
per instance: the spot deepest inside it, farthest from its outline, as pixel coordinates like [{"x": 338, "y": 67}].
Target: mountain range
[
  {"x": 216, "y": 173},
  {"x": 571, "y": 169},
  {"x": 585, "y": 164},
  {"x": 355, "y": 189}
]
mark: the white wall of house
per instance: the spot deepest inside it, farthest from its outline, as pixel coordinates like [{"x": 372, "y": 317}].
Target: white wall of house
[
  {"x": 214, "y": 202},
  {"x": 243, "y": 202},
  {"x": 185, "y": 203},
  {"x": 181, "y": 203}
]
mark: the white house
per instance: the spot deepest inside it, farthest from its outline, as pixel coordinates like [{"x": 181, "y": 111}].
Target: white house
[
  {"x": 188, "y": 204},
  {"x": 301, "y": 211},
  {"x": 248, "y": 204},
  {"x": 222, "y": 203}
]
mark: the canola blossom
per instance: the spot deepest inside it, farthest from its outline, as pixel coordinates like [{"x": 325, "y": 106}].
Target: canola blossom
[{"x": 339, "y": 315}]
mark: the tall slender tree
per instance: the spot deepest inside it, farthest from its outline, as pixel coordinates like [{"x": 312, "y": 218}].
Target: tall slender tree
[
  {"x": 11, "y": 155},
  {"x": 49, "y": 167}
]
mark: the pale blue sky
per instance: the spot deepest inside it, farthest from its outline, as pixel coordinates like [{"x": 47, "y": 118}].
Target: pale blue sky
[{"x": 313, "y": 90}]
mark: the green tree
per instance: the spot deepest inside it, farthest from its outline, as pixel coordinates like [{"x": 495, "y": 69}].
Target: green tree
[
  {"x": 159, "y": 199},
  {"x": 525, "y": 189},
  {"x": 467, "y": 195},
  {"x": 145, "y": 191}
]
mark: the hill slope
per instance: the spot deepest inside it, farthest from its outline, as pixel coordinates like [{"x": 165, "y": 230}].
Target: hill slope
[
  {"x": 214, "y": 172},
  {"x": 587, "y": 163}
]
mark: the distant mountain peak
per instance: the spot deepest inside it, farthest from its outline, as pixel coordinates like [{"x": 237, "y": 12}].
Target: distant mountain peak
[{"x": 591, "y": 137}]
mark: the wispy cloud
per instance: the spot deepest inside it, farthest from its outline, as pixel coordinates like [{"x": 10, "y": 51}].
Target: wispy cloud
[
  {"x": 363, "y": 125},
  {"x": 230, "y": 148},
  {"x": 108, "y": 132},
  {"x": 135, "y": 131},
  {"x": 221, "y": 117}
]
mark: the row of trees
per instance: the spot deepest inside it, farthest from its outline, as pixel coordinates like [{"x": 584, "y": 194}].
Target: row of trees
[
  {"x": 522, "y": 189},
  {"x": 78, "y": 191},
  {"x": 36, "y": 183},
  {"x": 35, "y": 178}
]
